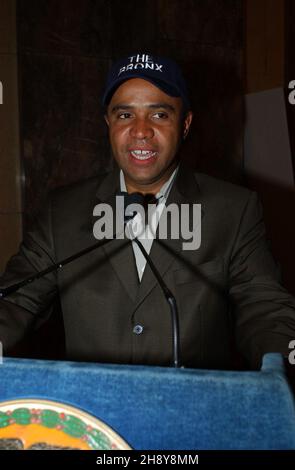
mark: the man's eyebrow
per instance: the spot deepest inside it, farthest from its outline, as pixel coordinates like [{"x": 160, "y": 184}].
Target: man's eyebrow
[
  {"x": 127, "y": 107},
  {"x": 122, "y": 107},
  {"x": 166, "y": 106}
]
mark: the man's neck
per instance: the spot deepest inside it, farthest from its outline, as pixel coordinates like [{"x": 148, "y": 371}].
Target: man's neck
[
  {"x": 161, "y": 191},
  {"x": 150, "y": 188}
]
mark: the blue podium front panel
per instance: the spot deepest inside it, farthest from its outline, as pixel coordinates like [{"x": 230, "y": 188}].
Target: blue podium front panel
[{"x": 164, "y": 408}]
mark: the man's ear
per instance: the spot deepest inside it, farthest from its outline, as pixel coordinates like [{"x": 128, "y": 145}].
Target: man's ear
[
  {"x": 187, "y": 123},
  {"x": 106, "y": 119}
]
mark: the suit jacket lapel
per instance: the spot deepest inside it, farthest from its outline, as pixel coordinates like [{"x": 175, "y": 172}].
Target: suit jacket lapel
[
  {"x": 163, "y": 252},
  {"x": 119, "y": 252}
]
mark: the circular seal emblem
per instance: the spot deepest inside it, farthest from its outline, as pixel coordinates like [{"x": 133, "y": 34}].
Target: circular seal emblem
[{"x": 32, "y": 424}]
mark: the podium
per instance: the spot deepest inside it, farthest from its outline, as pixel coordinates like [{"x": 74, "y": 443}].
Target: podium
[{"x": 163, "y": 408}]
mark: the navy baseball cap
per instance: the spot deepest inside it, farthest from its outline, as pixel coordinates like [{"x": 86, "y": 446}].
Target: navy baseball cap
[{"x": 162, "y": 72}]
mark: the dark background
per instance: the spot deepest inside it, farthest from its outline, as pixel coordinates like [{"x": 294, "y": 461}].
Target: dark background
[{"x": 65, "y": 50}]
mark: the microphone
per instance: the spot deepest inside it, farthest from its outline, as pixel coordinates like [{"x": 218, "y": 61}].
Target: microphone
[
  {"x": 136, "y": 198},
  {"x": 141, "y": 199}
]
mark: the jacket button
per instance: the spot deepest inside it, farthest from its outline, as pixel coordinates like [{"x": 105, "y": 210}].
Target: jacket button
[{"x": 138, "y": 329}]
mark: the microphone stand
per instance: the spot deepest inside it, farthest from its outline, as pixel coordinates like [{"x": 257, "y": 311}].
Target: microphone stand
[
  {"x": 172, "y": 304},
  {"x": 139, "y": 198},
  {"x": 54, "y": 267}
]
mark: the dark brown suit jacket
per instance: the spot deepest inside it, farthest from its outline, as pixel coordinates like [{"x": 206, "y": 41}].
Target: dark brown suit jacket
[{"x": 228, "y": 291}]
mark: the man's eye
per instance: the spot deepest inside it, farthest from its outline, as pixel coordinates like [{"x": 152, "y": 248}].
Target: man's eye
[
  {"x": 124, "y": 115},
  {"x": 161, "y": 115}
]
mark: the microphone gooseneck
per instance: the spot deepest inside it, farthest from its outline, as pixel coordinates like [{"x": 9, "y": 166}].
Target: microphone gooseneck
[
  {"x": 172, "y": 304},
  {"x": 141, "y": 199}
]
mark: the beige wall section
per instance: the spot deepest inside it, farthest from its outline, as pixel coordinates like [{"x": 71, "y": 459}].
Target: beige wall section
[
  {"x": 265, "y": 36},
  {"x": 10, "y": 195}
]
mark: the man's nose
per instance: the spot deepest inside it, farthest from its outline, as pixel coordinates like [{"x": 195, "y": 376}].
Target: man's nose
[{"x": 141, "y": 129}]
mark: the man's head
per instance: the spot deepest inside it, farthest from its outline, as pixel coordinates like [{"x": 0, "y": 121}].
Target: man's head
[{"x": 148, "y": 114}]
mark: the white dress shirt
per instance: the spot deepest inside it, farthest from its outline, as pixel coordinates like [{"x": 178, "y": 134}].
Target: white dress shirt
[{"x": 147, "y": 233}]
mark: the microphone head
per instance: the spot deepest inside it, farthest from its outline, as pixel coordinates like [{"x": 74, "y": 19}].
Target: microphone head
[{"x": 136, "y": 198}]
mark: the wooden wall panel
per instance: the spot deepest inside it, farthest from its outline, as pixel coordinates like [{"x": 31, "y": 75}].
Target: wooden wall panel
[
  {"x": 10, "y": 198},
  {"x": 265, "y": 44},
  {"x": 65, "y": 49}
]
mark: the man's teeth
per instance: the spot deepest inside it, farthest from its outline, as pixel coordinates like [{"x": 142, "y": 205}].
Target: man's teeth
[{"x": 142, "y": 154}]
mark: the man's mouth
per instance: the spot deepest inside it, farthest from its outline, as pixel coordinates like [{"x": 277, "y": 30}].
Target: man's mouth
[{"x": 142, "y": 154}]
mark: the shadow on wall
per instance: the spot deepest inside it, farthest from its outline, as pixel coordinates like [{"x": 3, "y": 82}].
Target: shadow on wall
[
  {"x": 278, "y": 205},
  {"x": 215, "y": 144}
]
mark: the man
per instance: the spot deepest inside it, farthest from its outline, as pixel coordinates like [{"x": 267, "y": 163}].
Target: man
[{"x": 113, "y": 308}]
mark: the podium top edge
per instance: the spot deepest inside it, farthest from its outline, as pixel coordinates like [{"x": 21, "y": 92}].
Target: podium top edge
[{"x": 272, "y": 363}]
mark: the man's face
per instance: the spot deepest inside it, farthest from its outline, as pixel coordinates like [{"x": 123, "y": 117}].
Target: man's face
[{"x": 146, "y": 127}]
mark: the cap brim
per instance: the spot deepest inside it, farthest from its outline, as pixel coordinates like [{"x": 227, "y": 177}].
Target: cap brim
[{"x": 164, "y": 86}]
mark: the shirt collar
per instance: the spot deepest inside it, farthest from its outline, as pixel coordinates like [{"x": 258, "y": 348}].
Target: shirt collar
[{"x": 162, "y": 193}]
